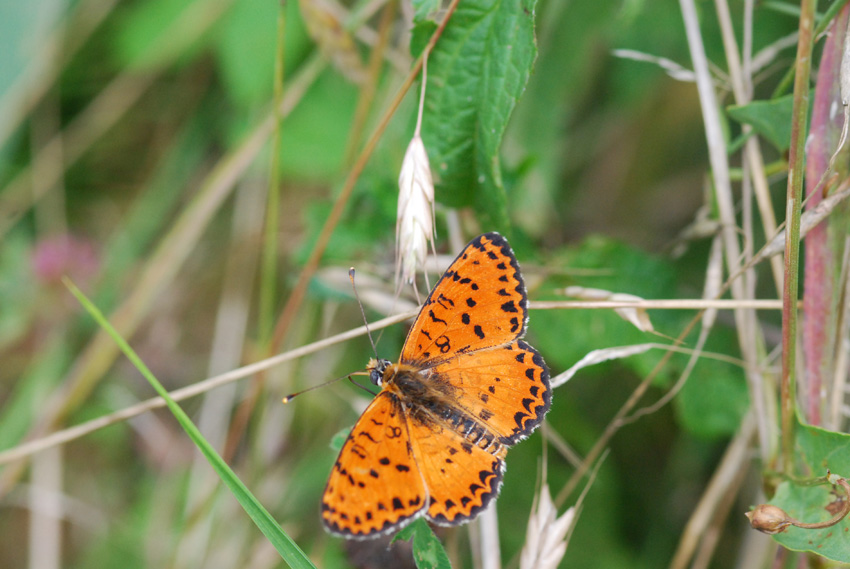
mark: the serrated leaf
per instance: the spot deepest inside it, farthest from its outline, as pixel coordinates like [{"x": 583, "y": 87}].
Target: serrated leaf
[
  {"x": 476, "y": 73},
  {"x": 428, "y": 552},
  {"x": 820, "y": 449},
  {"x": 771, "y": 119}
]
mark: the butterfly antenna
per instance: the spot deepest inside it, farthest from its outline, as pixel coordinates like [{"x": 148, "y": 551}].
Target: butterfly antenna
[
  {"x": 361, "y": 386},
  {"x": 292, "y": 396},
  {"x": 362, "y": 312}
]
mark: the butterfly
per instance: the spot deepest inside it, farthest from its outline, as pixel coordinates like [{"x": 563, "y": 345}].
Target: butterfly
[{"x": 466, "y": 388}]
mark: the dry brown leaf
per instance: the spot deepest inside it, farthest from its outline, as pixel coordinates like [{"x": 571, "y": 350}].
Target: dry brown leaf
[{"x": 636, "y": 316}]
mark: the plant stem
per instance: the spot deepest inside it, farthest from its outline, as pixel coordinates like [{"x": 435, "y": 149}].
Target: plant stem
[{"x": 792, "y": 234}]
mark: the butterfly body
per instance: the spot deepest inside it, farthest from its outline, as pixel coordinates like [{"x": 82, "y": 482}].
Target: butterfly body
[
  {"x": 434, "y": 402},
  {"x": 466, "y": 388}
]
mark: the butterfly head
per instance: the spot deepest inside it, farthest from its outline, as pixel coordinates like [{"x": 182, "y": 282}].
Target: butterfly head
[{"x": 376, "y": 370}]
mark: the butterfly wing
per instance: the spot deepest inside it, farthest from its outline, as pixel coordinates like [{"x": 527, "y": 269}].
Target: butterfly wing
[
  {"x": 375, "y": 485},
  {"x": 478, "y": 303},
  {"x": 462, "y": 478},
  {"x": 506, "y": 388}
]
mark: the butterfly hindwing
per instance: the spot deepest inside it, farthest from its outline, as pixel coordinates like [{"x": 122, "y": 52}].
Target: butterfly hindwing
[
  {"x": 375, "y": 485},
  {"x": 462, "y": 477},
  {"x": 505, "y": 388},
  {"x": 479, "y": 302}
]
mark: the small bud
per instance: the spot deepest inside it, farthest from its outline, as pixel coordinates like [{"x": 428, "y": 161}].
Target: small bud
[{"x": 769, "y": 519}]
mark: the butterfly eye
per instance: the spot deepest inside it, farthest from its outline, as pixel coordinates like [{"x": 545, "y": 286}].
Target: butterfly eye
[{"x": 376, "y": 375}]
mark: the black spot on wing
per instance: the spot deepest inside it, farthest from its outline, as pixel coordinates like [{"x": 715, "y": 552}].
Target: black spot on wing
[{"x": 434, "y": 318}]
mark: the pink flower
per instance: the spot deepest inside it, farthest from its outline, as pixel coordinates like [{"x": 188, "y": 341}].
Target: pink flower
[{"x": 64, "y": 255}]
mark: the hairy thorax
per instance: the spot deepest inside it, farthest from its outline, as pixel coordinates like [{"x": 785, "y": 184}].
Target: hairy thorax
[{"x": 433, "y": 402}]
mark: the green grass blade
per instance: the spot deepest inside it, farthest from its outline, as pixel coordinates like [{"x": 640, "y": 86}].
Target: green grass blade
[{"x": 288, "y": 549}]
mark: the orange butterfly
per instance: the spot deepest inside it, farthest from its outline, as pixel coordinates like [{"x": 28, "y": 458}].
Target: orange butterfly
[{"x": 466, "y": 388}]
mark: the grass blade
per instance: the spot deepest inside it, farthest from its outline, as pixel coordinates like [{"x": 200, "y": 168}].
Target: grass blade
[{"x": 288, "y": 549}]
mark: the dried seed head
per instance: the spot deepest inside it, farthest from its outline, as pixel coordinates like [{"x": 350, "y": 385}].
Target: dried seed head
[
  {"x": 769, "y": 519},
  {"x": 546, "y": 537},
  {"x": 415, "y": 219},
  {"x": 327, "y": 30}
]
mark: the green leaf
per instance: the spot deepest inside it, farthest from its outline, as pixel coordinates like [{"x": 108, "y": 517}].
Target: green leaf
[
  {"x": 246, "y": 45},
  {"x": 339, "y": 438},
  {"x": 715, "y": 397},
  {"x": 424, "y": 9},
  {"x": 428, "y": 552},
  {"x": 150, "y": 34},
  {"x": 820, "y": 450},
  {"x": 771, "y": 119},
  {"x": 288, "y": 549},
  {"x": 314, "y": 139},
  {"x": 476, "y": 73}
]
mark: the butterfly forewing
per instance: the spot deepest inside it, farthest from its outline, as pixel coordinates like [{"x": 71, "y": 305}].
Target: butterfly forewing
[
  {"x": 478, "y": 303},
  {"x": 375, "y": 485},
  {"x": 505, "y": 388}
]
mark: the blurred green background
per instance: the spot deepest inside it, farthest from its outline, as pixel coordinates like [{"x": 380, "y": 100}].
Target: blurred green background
[{"x": 120, "y": 123}]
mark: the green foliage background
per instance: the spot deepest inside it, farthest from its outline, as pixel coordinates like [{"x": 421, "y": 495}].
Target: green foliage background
[{"x": 592, "y": 164}]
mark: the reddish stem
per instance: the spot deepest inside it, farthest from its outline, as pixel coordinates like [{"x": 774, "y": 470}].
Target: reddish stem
[{"x": 818, "y": 278}]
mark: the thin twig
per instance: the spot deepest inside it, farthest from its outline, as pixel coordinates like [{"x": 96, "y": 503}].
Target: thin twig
[
  {"x": 293, "y": 303},
  {"x": 72, "y": 433},
  {"x": 666, "y": 304}
]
